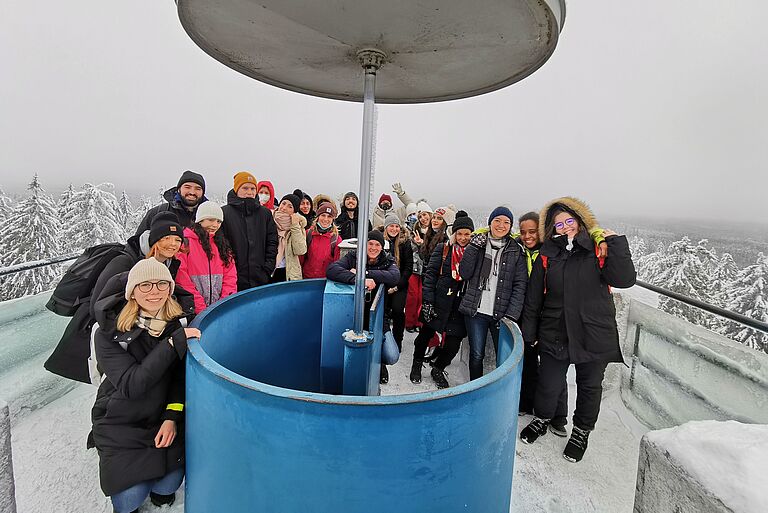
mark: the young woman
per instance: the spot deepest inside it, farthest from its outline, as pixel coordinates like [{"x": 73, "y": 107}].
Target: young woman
[
  {"x": 292, "y": 240},
  {"x": 137, "y": 415},
  {"x": 306, "y": 208},
  {"x": 494, "y": 267},
  {"x": 322, "y": 243},
  {"x": 418, "y": 234},
  {"x": 208, "y": 268},
  {"x": 443, "y": 292},
  {"x": 266, "y": 192},
  {"x": 569, "y": 314},
  {"x": 400, "y": 249}
]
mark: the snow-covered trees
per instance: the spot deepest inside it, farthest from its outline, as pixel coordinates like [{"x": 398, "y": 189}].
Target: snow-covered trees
[
  {"x": 31, "y": 232},
  {"x": 125, "y": 214},
  {"x": 92, "y": 218},
  {"x": 5, "y": 205},
  {"x": 749, "y": 296}
]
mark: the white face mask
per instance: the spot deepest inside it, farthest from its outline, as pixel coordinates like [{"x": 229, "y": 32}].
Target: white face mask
[{"x": 263, "y": 198}]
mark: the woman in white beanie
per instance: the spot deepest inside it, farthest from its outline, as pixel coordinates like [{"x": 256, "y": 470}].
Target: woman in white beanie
[
  {"x": 208, "y": 266},
  {"x": 140, "y": 347}
]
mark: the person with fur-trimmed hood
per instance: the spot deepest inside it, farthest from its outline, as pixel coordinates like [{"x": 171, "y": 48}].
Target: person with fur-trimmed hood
[
  {"x": 569, "y": 313},
  {"x": 494, "y": 267}
]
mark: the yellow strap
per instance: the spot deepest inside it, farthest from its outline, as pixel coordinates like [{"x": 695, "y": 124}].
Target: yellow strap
[{"x": 175, "y": 407}]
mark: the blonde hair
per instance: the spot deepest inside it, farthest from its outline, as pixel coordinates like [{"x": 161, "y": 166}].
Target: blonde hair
[
  {"x": 155, "y": 249},
  {"x": 334, "y": 228},
  {"x": 126, "y": 320}
]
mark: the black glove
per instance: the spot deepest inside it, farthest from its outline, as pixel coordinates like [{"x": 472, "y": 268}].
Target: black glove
[{"x": 428, "y": 312}]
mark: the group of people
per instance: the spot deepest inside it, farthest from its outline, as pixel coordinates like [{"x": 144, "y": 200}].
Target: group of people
[{"x": 442, "y": 277}]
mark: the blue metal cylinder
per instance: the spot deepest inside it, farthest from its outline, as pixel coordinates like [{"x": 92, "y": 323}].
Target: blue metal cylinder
[{"x": 260, "y": 438}]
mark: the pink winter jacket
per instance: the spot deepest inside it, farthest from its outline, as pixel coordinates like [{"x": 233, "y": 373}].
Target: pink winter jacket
[{"x": 207, "y": 280}]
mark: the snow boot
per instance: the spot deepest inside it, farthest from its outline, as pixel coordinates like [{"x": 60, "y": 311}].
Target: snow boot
[
  {"x": 439, "y": 376},
  {"x": 161, "y": 500},
  {"x": 384, "y": 376},
  {"x": 531, "y": 432},
  {"x": 577, "y": 445},
  {"x": 557, "y": 426},
  {"x": 416, "y": 372}
]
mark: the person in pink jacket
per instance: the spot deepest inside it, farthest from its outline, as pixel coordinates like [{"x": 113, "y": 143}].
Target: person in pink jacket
[
  {"x": 323, "y": 241},
  {"x": 208, "y": 265}
]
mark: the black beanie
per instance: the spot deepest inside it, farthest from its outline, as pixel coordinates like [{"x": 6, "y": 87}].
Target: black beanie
[
  {"x": 164, "y": 224},
  {"x": 294, "y": 199},
  {"x": 463, "y": 221},
  {"x": 377, "y": 236},
  {"x": 191, "y": 176}
]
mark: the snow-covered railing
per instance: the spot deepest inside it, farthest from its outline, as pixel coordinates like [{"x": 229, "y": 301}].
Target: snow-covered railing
[{"x": 34, "y": 264}]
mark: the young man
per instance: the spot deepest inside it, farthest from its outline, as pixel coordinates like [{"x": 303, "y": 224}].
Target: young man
[{"x": 182, "y": 200}]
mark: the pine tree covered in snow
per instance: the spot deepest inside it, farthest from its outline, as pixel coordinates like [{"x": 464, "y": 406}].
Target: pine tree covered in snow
[
  {"x": 6, "y": 204},
  {"x": 722, "y": 278},
  {"x": 64, "y": 209},
  {"x": 32, "y": 232},
  {"x": 637, "y": 247},
  {"x": 138, "y": 214},
  {"x": 125, "y": 214},
  {"x": 93, "y": 217},
  {"x": 749, "y": 296}
]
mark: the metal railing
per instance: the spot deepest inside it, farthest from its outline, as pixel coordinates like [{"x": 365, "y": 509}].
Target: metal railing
[{"x": 26, "y": 266}]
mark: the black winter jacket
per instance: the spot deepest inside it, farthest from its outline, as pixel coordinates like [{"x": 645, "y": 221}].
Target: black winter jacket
[
  {"x": 252, "y": 233},
  {"x": 513, "y": 278},
  {"x": 143, "y": 386},
  {"x": 348, "y": 226},
  {"x": 568, "y": 308},
  {"x": 175, "y": 205},
  {"x": 406, "y": 263},
  {"x": 444, "y": 293}
]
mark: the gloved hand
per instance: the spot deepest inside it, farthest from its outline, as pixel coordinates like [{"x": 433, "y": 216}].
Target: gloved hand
[
  {"x": 428, "y": 312},
  {"x": 397, "y": 188}
]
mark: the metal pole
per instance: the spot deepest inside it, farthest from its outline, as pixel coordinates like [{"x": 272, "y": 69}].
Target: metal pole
[
  {"x": 371, "y": 60},
  {"x": 7, "y": 485}
]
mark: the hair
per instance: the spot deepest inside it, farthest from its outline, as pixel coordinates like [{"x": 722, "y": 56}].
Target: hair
[
  {"x": 402, "y": 237},
  {"x": 222, "y": 244},
  {"x": 530, "y": 216},
  {"x": 431, "y": 239},
  {"x": 155, "y": 249},
  {"x": 549, "y": 223},
  {"x": 334, "y": 228},
  {"x": 127, "y": 317}
]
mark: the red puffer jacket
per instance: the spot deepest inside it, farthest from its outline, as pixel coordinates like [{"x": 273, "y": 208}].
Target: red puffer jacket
[
  {"x": 208, "y": 280},
  {"x": 318, "y": 257}
]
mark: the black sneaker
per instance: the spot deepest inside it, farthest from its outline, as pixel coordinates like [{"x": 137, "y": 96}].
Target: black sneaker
[
  {"x": 531, "y": 432},
  {"x": 384, "y": 376},
  {"x": 557, "y": 426},
  {"x": 162, "y": 500},
  {"x": 439, "y": 376},
  {"x": 416, "y": 372},
  {"x": 577, "y": 445}
]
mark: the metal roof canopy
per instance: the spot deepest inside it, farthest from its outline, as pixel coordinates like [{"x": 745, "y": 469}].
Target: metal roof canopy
[{"x": 436, "y": 50}]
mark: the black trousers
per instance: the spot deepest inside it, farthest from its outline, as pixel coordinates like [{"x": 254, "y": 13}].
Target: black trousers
[
  {"x": 395, "y": 305},
  {"x": 448, "y": 351},
  {"x": 589, "y": 389},
  {"x": 278, "y": 276},
  {"x": 528, "y": 387}
]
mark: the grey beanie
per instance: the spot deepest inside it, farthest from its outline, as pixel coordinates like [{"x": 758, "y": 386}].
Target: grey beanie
[
  {"x": 148, "y": 269},
  {"x": 391, "y": 219}
]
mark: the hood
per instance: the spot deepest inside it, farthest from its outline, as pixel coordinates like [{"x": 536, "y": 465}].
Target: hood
[
  {"x": 111, "y": 300},
  {"x": 268, "y": 184},
  {"x": 172, "y": 196},
  {"x": 574, "y": 205},
  {"x": 319, "y": 199},
  {"x": 138, "y": 245},
  {"x": 190, "y": 234},
  {"x": 241, "y": 204}
]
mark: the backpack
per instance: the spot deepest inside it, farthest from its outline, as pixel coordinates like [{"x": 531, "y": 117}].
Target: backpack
[
  {"x": 334, "y": 242},
  {"x": 76, "y": 285},
  {"x": 600, "y": 262}
]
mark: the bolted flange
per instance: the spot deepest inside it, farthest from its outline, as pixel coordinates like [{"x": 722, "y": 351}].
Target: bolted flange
[{"x": 371, "y": 58}]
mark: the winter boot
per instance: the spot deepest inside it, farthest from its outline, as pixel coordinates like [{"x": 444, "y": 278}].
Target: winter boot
[
  {"x": 577, "y": 445},
  {"x": 557, "y": 426},
  {"x": 161, "y": 500},
  {"x": 384, "y": 376},
  {"x": 416, "y": 372},
  {"x": 531, "y": 432},
  {"x": 439, "y": 376}
]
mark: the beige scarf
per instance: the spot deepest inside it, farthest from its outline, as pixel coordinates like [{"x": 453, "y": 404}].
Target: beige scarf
[
  {"x": 283, "y": 222},
  {"x": 153, "y": 325}
]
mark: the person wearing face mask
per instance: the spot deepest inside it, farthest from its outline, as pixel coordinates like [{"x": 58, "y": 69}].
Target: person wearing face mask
[
  {"x": 182, "y": 200},
  {"x": 207, "y": 268},
  {"x": 569, "y": 314},
  {"x": 322, "y": 243},
  {"x": 267, "y": 196},
  {"x": 443, "y": 291},
  {"x": 347, "y": 220},
  {"x": 251, "y": 231},
  {"x": 494, "y": 267},
  {"x": 291, "y": 239},
  {"x": 385, "y": 206}
]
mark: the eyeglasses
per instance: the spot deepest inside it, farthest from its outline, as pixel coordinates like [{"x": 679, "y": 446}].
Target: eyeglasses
[
  {"x": 569, "y": 222},
  {"x": 161, "y": 285}
]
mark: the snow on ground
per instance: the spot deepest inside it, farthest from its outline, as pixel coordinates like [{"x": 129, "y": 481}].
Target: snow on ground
[
  {"x": 728, "y": 458},
  {"x": 54, "y": 471}
]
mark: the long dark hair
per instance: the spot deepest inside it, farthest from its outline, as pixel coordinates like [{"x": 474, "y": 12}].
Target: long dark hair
[
  {"x": 432, "y": 239},
  {"x": 225, "y": 250}
]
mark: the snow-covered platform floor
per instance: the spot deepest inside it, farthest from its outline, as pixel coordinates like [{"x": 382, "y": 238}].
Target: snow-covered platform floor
[{"x": 55, "y": 473}]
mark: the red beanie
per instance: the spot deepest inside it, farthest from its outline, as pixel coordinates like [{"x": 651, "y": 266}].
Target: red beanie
[{"x": 385, "y": 197}]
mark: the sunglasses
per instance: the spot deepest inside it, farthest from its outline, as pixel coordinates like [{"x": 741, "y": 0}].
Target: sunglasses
[
  {"x": 161, "y": 285},
  {"x": 569, "y": 222}
]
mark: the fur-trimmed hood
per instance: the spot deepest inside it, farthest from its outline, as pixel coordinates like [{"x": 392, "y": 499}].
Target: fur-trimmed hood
[
  {"x": 575, "y": 205},
  {"x": 319, "y": 199}
]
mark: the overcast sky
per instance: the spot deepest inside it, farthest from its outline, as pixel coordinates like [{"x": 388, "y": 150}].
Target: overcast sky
[{"x": 646, "y": 108}]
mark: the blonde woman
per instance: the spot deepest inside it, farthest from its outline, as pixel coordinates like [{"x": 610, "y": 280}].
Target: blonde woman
[{"x": 137, "y": 415}]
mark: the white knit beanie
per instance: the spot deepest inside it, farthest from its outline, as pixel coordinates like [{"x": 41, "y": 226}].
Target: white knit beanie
[
  {"x": 209, "y": 210},
  {"x": 148, "y": 269},
  {"x": 422, "y": 206},
  {"x": 448, "y": 213},
  {"x": 411, "y": 208}
]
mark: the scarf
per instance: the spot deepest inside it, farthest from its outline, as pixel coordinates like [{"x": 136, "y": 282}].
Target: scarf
[
  {"x": 283, "y": 222},
  {"x": 456, "y": 255},
  {"x": 491, "y": 261},
  {"x": 319, "y": 229},
  {"x": 153, "y": 325}
]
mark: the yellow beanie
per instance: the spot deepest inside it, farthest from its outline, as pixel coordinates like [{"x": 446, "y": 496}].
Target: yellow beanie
[{"x": 244, "y": 177}]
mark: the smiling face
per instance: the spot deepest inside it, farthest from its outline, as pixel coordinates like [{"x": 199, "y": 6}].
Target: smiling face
[
  {"x": 437, "y": 222},
  {"x": 325, "y": 220},
  {"x": 393, "y": 230},
  {"x": 373, "y": 250},
  {"x": 500, "y": 226},
  {"x": 529, "y": 233},
  {"x": 425, "y": 218},
  {"x": 152, "y": 295},
  {"x": 305, "y": 206},
  {"x": 286, "y": 207},
  {"x": 350, "y": 202},
  {"x": 462, "y": 236},
  {"x": 167, "y": 247},
  {"x": 210, "y": 225},
  {"x": 566, "y": 224},
  {"x": 190, "y": 193}
]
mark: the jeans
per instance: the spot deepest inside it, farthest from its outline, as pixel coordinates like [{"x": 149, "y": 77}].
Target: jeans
[
  {"x": 131, "y": 498},
  {"x": 477, "y": 331}
]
